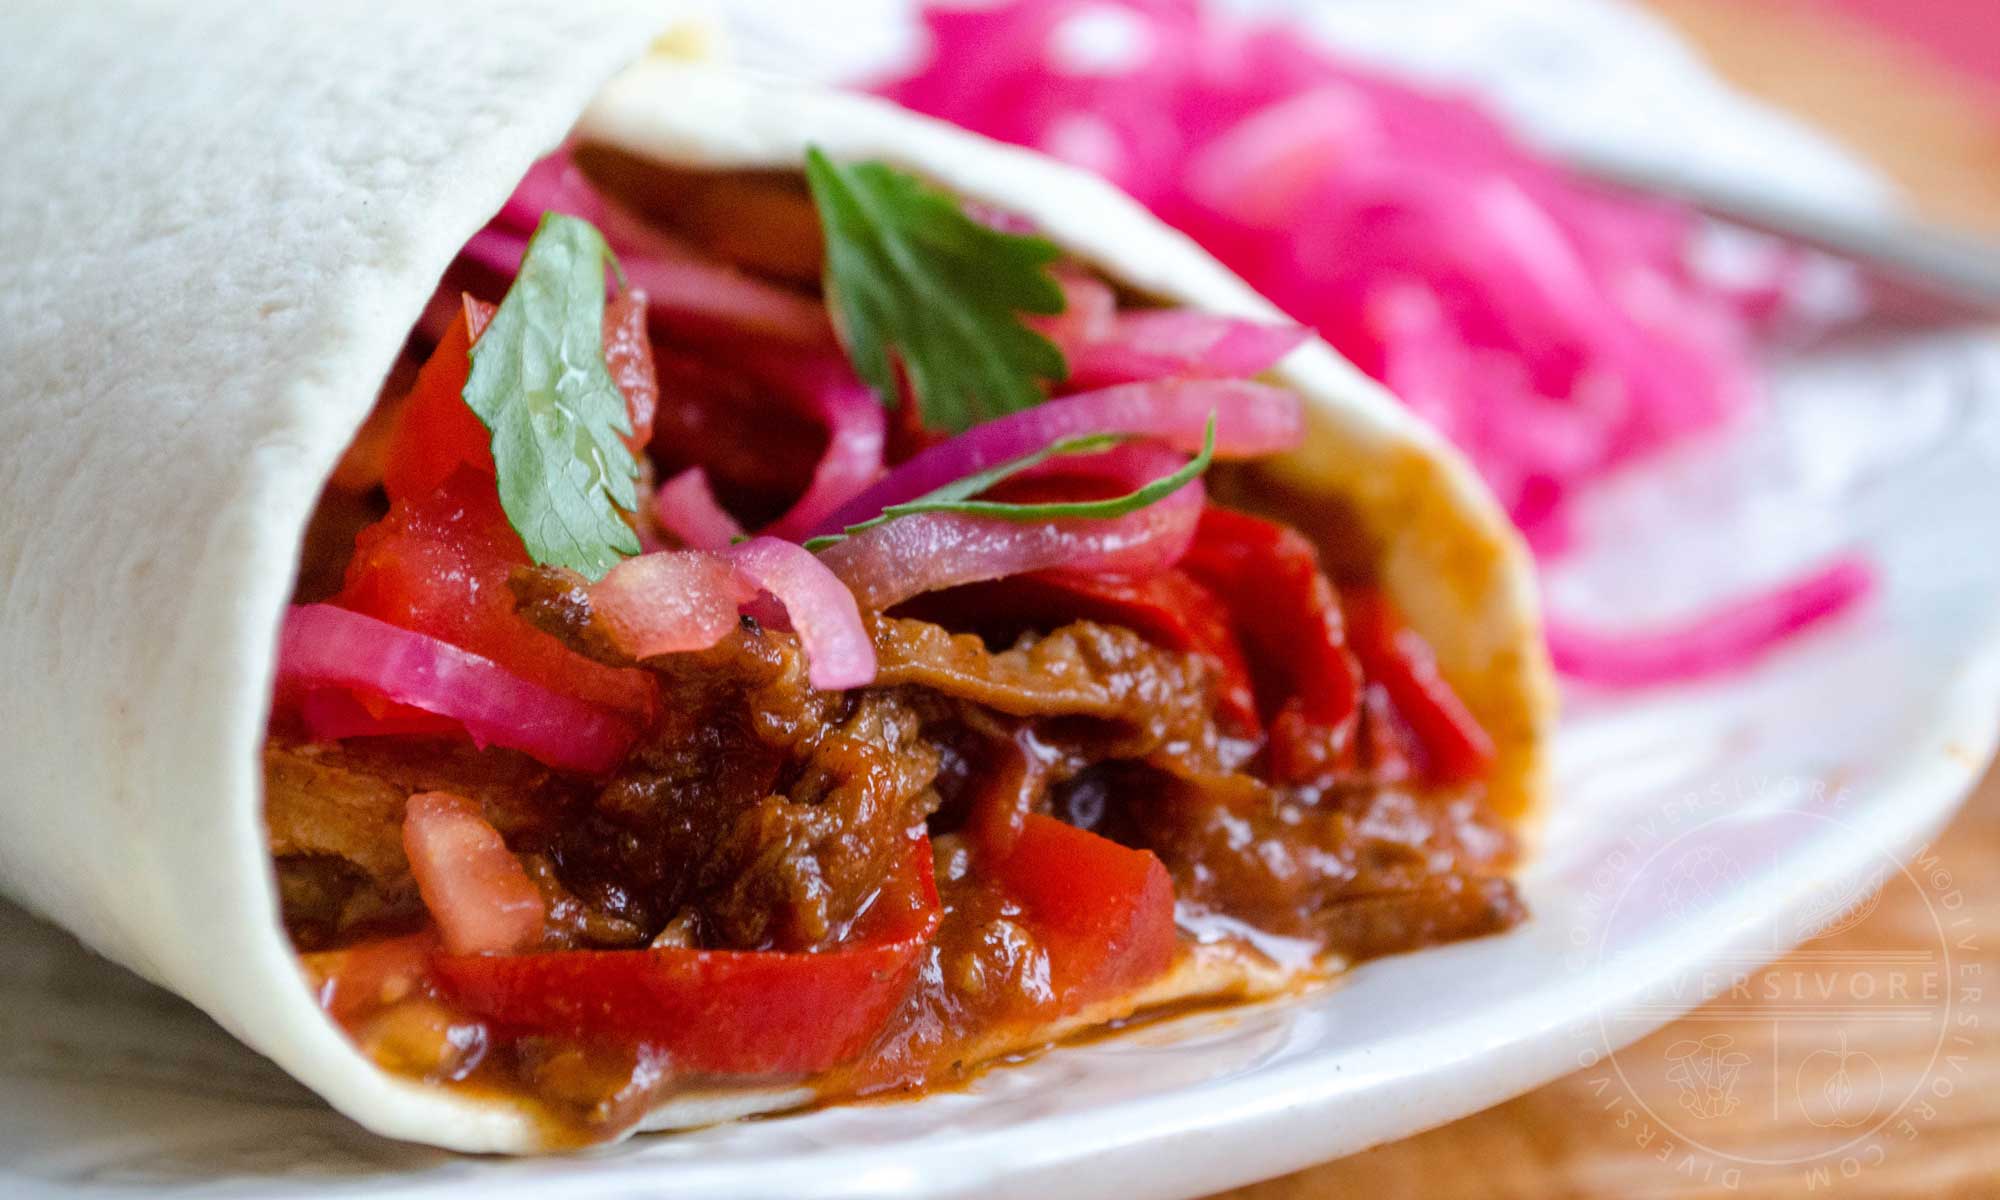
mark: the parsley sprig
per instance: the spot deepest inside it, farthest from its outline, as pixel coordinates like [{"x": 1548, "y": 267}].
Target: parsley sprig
[
  {"x": 915, "y": 280},
  {"x": 540, "y": 383},
  {"x": 958, "y": 495}
]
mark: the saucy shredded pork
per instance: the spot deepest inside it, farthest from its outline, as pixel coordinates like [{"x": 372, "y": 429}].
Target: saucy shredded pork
[
  {"x": 757, "y": 813},
  {"x": 761, "y": 814}
]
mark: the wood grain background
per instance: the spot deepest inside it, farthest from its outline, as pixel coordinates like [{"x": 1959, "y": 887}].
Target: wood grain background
[{"x": 1940, "y": 138}]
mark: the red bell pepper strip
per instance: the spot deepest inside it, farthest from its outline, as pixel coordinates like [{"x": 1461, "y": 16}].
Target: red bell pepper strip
[
  {"x": 437, "y": 432},
  {"x": 332, "y": 714},
  {"x": 1103, "y": 913},
  {"x": 726, "y": 1012},
  {"x": 1389, "y": 751},
  {"x": 628, "y": 355},
  {"x": 439, "y": 562},
  {"x": 352, "y": 983},
  {"x": 438, "y": 565},
  {"x": 1455, "y": 748},
  {"x": 1288, "y": 618}
]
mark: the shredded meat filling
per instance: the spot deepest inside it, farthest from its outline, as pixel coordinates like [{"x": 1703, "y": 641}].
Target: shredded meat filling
[
  {"x": 759, "y": 813},
  {"x": 334, "y": 816}
]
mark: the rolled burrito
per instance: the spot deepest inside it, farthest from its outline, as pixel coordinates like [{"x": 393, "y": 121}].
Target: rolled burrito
[{"x": 555, "y": 589}]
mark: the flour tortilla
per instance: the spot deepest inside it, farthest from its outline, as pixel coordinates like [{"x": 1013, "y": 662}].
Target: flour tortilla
[{"x": 217, "y": 224}]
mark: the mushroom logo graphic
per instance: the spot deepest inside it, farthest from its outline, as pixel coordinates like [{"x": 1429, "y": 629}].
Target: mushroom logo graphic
[{"x": 1706, "y": 1072}]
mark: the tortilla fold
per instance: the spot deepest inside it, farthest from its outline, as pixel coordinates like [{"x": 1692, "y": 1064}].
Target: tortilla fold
[{"x": 218, "y": 223}]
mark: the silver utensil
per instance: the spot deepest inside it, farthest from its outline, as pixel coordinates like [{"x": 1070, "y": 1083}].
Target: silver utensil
[{"x": 1948, "y": 275}]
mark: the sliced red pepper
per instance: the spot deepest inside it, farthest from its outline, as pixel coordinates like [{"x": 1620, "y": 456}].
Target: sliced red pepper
[
  {"x": 628, "y": 355},
  {"x": 1104, "y": 913},
  {"x": 1169, "y": 609},
  {"x": 439, "y": 564},
  {"x": 1455, "y": 748},
  {"x": 438, "y": 433},
  {"x": 332, "y": 714},
  {"x": 1288, "y": 618},
  {"x": 351, "y": 983},
  {"x": 729, "y": 1012},
  {"x": 1389, "y": 751}
]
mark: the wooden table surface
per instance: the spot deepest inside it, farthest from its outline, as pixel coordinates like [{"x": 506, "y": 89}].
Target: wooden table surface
[{"x": 1576, "y": 1137}]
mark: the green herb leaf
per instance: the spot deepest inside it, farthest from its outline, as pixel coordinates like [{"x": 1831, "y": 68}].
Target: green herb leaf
[
  {"x": 913, "y": 279},
  {"x": 540, "y": 383},
  {"x": 955, "y": 497}
]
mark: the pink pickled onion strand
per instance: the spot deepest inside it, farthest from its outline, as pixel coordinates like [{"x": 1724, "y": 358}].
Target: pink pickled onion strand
[
  {"x": 911, "y": 555},
  {"x": 856, "y": 430},
  {"x": 1324, "y": 183},
  {"x": 669, "y": 602},
  {"x": 324, "y": 647},
  {"x": 685, "y": 289},
  {"x": 497, "y": 249},
  {"x": 553, "y": 184},
  {"x": 1151, "y": 545},
  {"x": 1555, "y": 332},
  {"x": 1171, "y": 342},
  {"x": 690, "y": 293},
  {"x": 1127, "y": 466},
  {"x": 821, "y": 610},
  {"x": 687, "y": 508},
  {"x": 1251, "y": 419},
  {"x": 1088, "y": 308},
  {"x": 1728, "y": 636}
]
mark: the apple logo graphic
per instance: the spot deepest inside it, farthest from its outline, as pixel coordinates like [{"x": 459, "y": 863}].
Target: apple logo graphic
[{"x": 1839, "y": 1088}]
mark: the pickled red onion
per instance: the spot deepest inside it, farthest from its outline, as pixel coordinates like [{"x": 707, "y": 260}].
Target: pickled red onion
[
  {"x": 1088, "y": 308},
  {"x": 924, "y": 552},
  {"x": 687, "y": 508},
  {"x": 669, "y": 602},
  {"x": 686, "y": 289},
  {"x": 1553, "y": 331},
  {"x": 1726, "y": 637},
  {"x": 856, "y": 431},
  {"x": 497, "y": 249},
  {"x": 695, "y": 294},
  {"x": 820, "y": 608},
  {"x": 1250, "y": 419},
  {"x": 324, "y": 647},
  {"x": 1178, "y": 342},
  {"x": 553, "y": 184}
]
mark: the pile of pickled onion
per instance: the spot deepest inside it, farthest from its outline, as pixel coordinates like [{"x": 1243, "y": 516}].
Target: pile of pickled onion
[{"x": 1553, "y": 331}]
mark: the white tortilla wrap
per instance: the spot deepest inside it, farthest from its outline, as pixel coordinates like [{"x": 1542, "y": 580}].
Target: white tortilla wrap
[{"x": 218, "y": 222}]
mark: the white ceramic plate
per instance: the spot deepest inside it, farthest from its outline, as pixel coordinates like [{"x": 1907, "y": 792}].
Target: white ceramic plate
[{"x": 1695, "y": 827}]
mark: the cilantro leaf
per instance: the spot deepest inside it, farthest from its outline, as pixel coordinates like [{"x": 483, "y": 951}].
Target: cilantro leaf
[
  {"x": 956, "y": 496},
  {"x": 540, "y": 384},
  {"x": 915, "y": 280}
]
